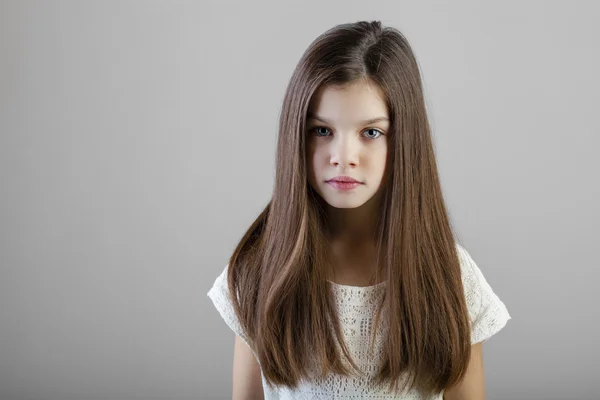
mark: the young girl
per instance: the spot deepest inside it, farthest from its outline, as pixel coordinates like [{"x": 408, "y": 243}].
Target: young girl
[{"x": 350, "y": 283}]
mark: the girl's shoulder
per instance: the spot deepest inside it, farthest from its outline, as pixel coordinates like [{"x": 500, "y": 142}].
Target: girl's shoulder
[
  {"x": 487, "y": 313},
  {"x": 222, "y": 301}
]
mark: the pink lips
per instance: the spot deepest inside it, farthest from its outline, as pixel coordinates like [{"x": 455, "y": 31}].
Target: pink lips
[{"x": 344, "y": 183}]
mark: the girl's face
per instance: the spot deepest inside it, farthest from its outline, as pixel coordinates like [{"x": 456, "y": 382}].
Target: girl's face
[{"x": 347, "y": 136}]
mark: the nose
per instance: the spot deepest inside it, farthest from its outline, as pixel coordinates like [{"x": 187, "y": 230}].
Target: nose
[{"x": 344, "y": 151}]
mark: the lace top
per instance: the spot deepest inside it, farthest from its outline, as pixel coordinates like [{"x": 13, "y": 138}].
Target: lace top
[{"x": 356, "y": 307}]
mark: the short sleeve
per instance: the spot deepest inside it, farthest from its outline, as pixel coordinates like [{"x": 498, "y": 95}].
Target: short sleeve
[
  {"x": 219, "y": 294},
  {"x": 487, "y": 312}
]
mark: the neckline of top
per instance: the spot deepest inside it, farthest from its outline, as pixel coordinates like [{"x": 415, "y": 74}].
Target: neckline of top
[{"x": 339, "y": 285}]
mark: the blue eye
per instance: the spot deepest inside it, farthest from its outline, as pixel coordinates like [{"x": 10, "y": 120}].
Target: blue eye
[
  {"x": 317, "y": 130},
  {"x": 375, "y": 130},
  {"x": 321, "y": 131}
]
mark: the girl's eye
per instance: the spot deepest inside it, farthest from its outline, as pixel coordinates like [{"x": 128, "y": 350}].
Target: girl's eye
[
  {"x": 374, "y": 130},
  {"x": 321, "y": 128},
  {"x": 322, "y": 131}
]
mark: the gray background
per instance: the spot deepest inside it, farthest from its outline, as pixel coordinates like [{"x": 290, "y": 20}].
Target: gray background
[{"x": 138, "y": 143}]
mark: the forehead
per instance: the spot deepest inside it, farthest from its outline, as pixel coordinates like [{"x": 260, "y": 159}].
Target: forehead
[{"x": 359, "y": 101}]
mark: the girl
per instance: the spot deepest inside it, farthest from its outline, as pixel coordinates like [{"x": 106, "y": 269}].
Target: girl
[{"x": 350, "y": 283}]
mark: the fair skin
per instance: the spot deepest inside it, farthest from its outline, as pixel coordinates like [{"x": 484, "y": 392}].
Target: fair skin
[
  {"x": 346, "y": 136},
  {"x": 343, "y": 138},
  {"x": 472, "y": 386},
  {"x": 247, "y": 382}
]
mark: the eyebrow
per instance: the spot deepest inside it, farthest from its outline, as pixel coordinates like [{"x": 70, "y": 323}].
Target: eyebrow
[{"x": 367, "y": 122}]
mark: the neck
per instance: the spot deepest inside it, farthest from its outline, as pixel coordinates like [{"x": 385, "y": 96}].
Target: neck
[{"x": 353, "y": 227}]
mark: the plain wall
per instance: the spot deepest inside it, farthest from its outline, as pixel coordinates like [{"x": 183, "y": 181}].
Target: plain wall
[{"x": 137, "y": 144}]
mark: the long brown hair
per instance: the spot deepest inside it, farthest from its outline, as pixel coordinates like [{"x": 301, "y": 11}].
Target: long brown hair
[{"x": 277, "y": 275}]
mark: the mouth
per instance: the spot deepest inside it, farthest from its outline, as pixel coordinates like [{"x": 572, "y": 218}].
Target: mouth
[
  {"x": 343, "y": 179},
  {"x": 344, "y": 185}
]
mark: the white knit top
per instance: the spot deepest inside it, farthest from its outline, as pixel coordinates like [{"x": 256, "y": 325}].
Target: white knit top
[{"x": 356, "y": 308}]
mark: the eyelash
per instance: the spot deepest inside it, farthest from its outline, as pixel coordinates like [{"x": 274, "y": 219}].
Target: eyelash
[{"x": 313, "y": 129}]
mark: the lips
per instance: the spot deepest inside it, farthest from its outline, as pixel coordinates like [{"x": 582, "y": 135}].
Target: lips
[
  {"x": 344, "y": 179},
  {"x": 344, "y": 186}
]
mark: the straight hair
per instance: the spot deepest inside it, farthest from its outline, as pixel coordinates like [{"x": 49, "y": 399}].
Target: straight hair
[{"x": 277, "y": 275}]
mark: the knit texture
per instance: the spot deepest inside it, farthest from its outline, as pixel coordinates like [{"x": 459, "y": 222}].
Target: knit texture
[{"x": 356, "y": 307}]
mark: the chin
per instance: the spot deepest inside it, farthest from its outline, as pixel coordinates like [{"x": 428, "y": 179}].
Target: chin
[{"x": 338, "y": 202}]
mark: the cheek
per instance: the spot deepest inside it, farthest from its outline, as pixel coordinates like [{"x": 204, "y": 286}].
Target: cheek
[
  {"x": 311, "y": 163},
  {"x": 381, "y": 158},
  {"x": 315, "y": 155}
]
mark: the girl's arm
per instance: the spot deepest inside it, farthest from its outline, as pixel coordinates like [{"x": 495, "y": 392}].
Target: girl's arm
[
  {"x": 247, "y": 377},
  {"x": 472, "y": 387}
]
